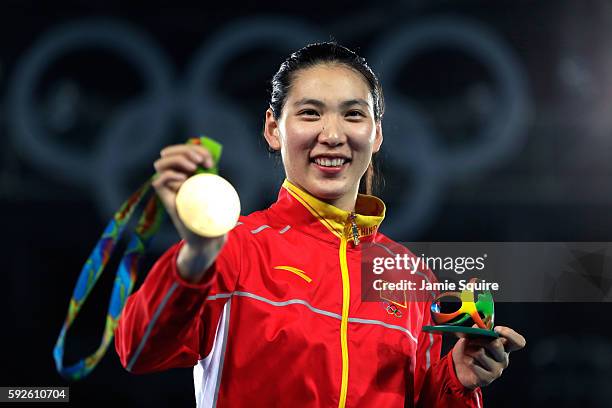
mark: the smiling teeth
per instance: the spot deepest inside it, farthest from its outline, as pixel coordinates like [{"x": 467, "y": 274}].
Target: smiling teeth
[{"x": 322, "y": 161}]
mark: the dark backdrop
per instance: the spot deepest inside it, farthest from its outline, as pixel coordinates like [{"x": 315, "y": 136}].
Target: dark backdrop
[{"x": 498, "y": 128}]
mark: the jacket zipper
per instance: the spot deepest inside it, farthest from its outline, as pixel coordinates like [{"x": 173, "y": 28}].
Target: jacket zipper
[
  {"x": 354, "y": 228},
  {"x": 346, "y": 297}
]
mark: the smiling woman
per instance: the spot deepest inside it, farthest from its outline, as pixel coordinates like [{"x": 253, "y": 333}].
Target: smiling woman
[
  {"x": 326, "y": 132},
  {"x": 259, "y": 336}
]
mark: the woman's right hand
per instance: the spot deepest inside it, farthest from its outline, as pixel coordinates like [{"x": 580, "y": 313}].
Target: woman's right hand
[{"x": 176, "y": 164}]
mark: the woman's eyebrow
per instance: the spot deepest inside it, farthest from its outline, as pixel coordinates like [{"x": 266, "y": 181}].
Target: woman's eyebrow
[
  {"x": 321, "y": 104},
  {"x": 351, "y": 102},
  {"x": 309, "y": 101}
]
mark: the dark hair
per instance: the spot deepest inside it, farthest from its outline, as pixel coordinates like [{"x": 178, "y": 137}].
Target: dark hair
[{"x": 331, "y": 53}]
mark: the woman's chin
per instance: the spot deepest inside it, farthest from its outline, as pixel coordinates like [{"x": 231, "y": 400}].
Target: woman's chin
[{"x": 329, "y": 189}]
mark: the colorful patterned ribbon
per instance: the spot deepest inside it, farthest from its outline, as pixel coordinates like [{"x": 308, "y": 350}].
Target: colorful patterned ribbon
[{"x": 127, "y": 272}]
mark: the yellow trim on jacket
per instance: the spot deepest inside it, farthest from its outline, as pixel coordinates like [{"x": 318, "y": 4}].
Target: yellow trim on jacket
[{"x": 369, "y": 213}]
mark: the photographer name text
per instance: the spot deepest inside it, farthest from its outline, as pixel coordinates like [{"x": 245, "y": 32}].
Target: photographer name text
[{"x": 444, "y": 286}]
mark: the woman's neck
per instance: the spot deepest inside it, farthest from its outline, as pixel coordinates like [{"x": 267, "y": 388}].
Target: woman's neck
[{"x": 345, "y": 202}]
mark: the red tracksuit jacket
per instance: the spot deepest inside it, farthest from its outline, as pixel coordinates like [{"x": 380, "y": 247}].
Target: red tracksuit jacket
[{"x": 279, "y": 322}]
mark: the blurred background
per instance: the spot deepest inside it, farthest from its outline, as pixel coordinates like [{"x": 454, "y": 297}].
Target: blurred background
[{"x": 498, "y": 128}]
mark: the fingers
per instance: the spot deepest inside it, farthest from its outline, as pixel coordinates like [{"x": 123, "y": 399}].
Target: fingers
[
  {"x": 496, "y": 350},
  {"x": 197, "y": 153},
  {"x": 489, "y": 360},
  {"x": 170, "y": 179},
  {"x": 175, "y": 185},
  {"x": 494, "y": 347},
  {"x": 483, "y": 377},
  {"x": 511, "y": 340},
  {"x": 474, "y": 367},
  {"x": 480, "y": 361},
  {"x": 176, "y": 163},
  {"x": 174, "y": 166}
]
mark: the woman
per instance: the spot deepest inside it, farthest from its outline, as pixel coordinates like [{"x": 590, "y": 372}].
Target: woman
[{"x": 271, "y": 314}]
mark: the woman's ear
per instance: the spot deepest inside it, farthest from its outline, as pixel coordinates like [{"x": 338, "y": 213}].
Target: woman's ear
[
  {"x": 378, "y": 138},
  {"x": 271, "y": 131}
]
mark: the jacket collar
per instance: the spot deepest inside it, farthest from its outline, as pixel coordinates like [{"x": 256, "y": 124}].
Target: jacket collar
[{"x": 324, "y": 220}]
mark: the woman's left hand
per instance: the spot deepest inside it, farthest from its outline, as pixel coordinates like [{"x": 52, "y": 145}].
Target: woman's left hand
[{"x": 478, "y": 362}]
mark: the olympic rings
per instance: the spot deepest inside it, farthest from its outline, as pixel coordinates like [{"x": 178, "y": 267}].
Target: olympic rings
[
  {"x": 134, "y": 135},
  {"x": 28, "y": 130},
  {"x": 502, "y": 135},
  {"x": 504, "y": 131}
]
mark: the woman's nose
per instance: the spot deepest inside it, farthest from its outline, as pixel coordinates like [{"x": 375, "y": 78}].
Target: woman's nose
[{"x": 332, "y": 134}]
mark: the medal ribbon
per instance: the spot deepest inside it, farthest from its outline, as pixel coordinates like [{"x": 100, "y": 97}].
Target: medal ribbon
[{"x": 127, "y": 272}]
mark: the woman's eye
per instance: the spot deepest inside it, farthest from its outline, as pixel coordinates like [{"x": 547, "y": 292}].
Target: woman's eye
[
  {"x": 355, "y": 113},
  {"x": 309, "y": 112}
]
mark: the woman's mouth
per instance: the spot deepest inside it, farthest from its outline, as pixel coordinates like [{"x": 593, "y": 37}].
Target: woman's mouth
[{"x": 330, "y": 165}]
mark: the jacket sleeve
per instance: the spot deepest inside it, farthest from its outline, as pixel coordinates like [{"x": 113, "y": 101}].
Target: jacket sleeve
[
  {"x": 169, "y": 322},
  {"x": 436, "y": 382}
]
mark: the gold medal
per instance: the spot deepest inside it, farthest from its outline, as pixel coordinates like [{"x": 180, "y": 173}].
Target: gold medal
[{"x": 208, "y": 205}]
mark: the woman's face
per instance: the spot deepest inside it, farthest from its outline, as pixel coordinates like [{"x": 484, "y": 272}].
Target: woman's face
[{"x": 326, "y": 132}]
